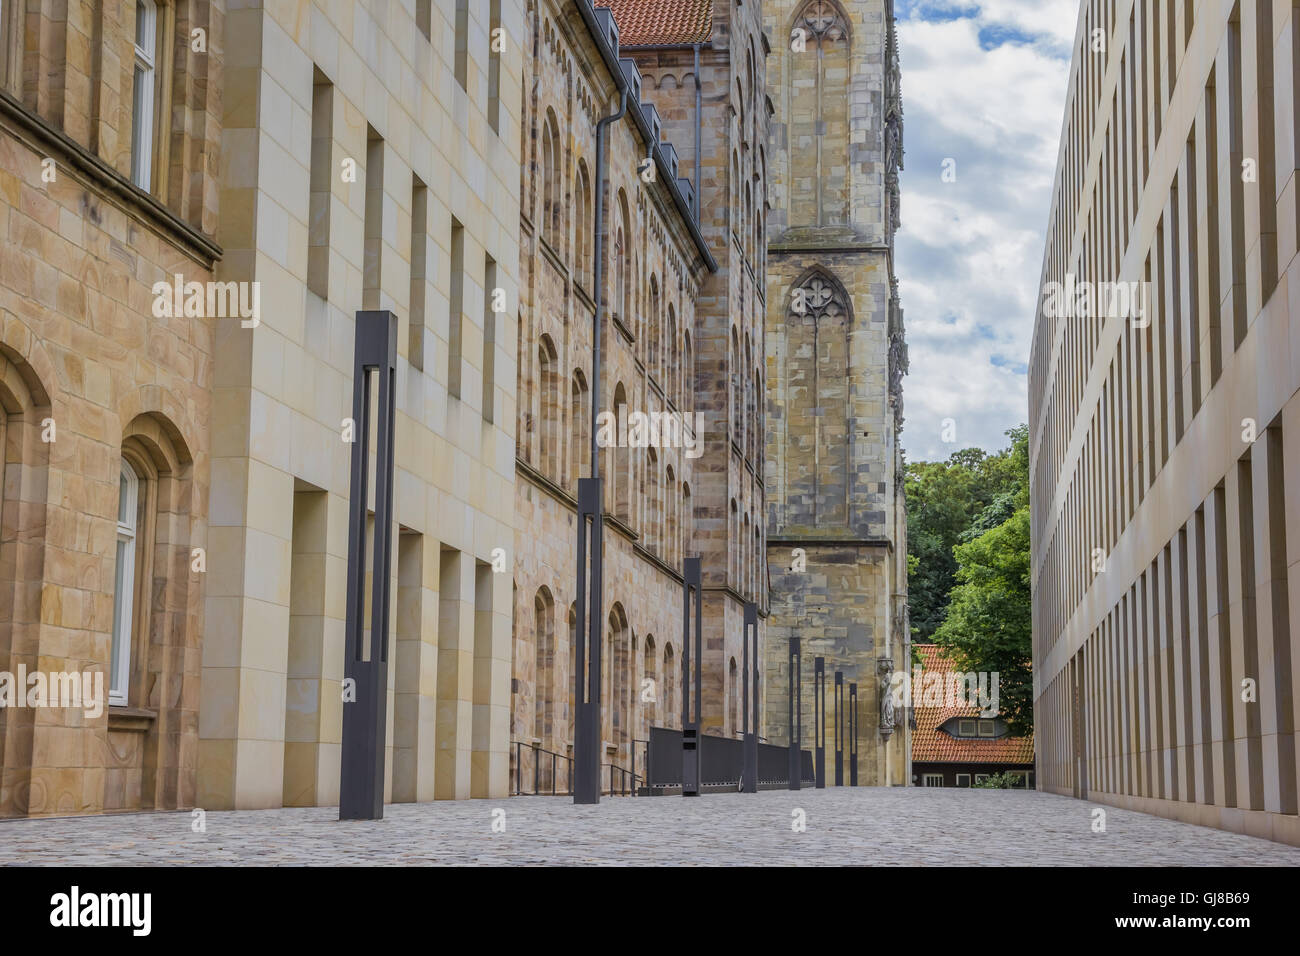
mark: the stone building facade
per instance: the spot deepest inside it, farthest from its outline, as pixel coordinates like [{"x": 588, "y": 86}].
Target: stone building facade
[
  {"x": 653, "y": 263},
  {"x": 1165, "y": 438},
  {"x": 720, "y": 128},
  {"x": 680, "y": 295},
  {"x": 110, "y": 136},
  {"x": 371, "y": 161},
  {"x": 835, "y": 356}
]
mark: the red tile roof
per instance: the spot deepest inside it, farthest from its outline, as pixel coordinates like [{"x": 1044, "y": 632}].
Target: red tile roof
[
  {"x": 652, "y": 22},
  {"x": 932, "y": 745}
]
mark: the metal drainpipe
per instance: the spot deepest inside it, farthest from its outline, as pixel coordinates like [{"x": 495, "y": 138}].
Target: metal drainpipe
[
  {"x": 698, "y": 127},
  {"x": 598, "y": 272}
]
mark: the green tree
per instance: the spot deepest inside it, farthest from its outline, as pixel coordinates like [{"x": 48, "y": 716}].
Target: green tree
[
  {"x": 953, "y": 501},
  {"x": 988, "y": 624}
]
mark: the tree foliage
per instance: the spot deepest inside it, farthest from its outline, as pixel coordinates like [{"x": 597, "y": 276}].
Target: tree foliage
[
  {"x": 951, "y": 501},
  {"x": 988, "y": 623}
]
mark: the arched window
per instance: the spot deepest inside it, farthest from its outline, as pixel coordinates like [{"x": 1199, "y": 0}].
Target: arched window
[
  {"x": 579, "y": 429},
  {"x": 670, "y": 508},
  {"x": 653, "y": 523},
  {"x": 551, "y": 182},
  {"x": 653, "y": 321},
  {"x": 150, "y": 600},
  {"x": 672, "y": 373},
  {"x": 571, "y": 677},
  {"x": 733, "y": 559},
  {"x": 731, "y": 700},
  {"x": 744, "y": 554},
  {"x": 688, "y": 521},
  {"x": 582, "y": 229},
  {"x": 622, "y": 305},
  {"x": 734, "y": 377},
  {"x": 544, "y": 666},
  {"x": 688, "y": 373},
  {"x": 672, "y": 706},
  {"x": 621, "y": 657},
  {"x": 650, "y": 671},
  {"x": 620, "y": 472},
  {"x": 548, "y": 410}
]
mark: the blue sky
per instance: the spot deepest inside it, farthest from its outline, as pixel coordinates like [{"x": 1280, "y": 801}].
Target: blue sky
[{"x": 983, "y": 84}]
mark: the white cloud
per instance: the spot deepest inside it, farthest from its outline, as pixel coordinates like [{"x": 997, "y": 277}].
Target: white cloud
[{"x": 970, "y": 251}]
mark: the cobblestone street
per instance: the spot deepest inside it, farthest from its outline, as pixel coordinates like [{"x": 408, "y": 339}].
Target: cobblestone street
[{"x": 844, "y": 826}]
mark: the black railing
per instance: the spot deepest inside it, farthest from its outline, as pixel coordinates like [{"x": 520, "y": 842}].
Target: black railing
[
  {"x": 540, "y": 763},
  {"x": 627, "y": 782}
]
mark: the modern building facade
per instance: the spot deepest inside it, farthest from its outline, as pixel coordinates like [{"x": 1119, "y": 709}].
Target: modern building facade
[
  {"x": 1165, "y": 440},
  {"x": 370, "y": 161},
  {"x": 110, "y": 128},
  {"x": 835, "y": 357}
]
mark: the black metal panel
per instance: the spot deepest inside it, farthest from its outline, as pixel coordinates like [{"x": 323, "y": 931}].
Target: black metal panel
[
  {"x": 722, "y": 762},
  {"x": 361, "y": 785},
  {"x": 586, "y": 671}
]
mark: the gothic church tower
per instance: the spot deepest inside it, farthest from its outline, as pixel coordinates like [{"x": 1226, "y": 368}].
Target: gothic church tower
[{"x": 837, "y": 538}]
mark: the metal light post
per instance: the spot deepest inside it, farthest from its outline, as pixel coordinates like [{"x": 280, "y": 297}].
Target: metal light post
[
  {"x": 692, "y": 591},
  {"x": 749, "y": 776},
  {"x": 819, "y": 720},
  {"x": 853, "y": 735},
  {"x": 839, "y": 728},
  {"x": 365, "y": 664},
  {"x": 796, "y": 712}
]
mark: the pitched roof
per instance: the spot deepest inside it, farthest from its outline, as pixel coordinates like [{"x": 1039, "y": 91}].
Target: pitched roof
[
  {"x": 930, "y": 744},
  {"x": 654, "y": 22}
]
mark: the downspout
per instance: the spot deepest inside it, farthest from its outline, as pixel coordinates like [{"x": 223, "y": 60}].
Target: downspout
[
  {"x": 698, "y": 126},
  {"x": 598, "y": 272}
]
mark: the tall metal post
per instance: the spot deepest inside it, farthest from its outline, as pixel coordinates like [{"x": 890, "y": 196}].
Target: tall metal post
[
  {"x": 796, "y": 712},
  {"x": 853, "y": 735},
  {"x": 692, "y": 592},
  {"x": 365, "y": 662},
  {"x": 749, "y": 776},
  {"x": 839, "y": 728},
  {"x": 588, "y": 628},
  {"x": 819, "y": 720}
]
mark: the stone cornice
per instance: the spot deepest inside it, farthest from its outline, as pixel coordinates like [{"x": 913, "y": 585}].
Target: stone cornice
[{"x": 67, "y": 153}]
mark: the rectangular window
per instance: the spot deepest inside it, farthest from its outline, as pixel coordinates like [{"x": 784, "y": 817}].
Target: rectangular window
[
  {"x": 495, "y": 43},
  {"x": 934, "y": 780},
  {"x": 144, "y": 93},
  {"x": 490, "y": 339},
  {"x": 424, "y": 16},
  {"x": 980, "y": 778},
  {"x": 419, "y": 262},
  {"x": 321, "y": 180},
  {"x": 462, "y": 44},
  {"x": 966, "y": 728},
  {"x": 986, "y": 728},
  {"x": 128, "y": 499},
  {"x": 963, "y": 780},
  {"x": 372, "y": 267},
  {"x": 456, "y": 308}
]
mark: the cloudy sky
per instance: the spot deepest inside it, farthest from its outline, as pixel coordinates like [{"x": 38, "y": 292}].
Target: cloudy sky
[{"x": 984, "y": 85}]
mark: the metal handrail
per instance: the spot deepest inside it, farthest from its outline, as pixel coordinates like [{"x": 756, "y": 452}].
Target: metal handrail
[
  {"x": 538, "y": 752},
  {"x": 624, "y": 774}
]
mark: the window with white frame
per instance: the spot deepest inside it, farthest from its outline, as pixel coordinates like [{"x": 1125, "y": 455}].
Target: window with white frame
[
  {"x": 124, "y": 585},
  {"x": 146, "y": 79},
  {"x": 934, "y": 780},
  {"x": 980, "y": 778}
]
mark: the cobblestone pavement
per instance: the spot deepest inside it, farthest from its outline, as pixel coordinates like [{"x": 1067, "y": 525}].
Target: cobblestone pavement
[{"x": 890, "y": 826}]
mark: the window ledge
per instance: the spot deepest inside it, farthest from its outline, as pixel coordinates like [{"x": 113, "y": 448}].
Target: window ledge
[{"x": 137, "y": 720}]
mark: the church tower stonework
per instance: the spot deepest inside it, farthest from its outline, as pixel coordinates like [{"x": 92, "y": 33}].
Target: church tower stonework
[{"x": 835, "y": 354}]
